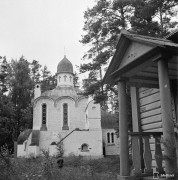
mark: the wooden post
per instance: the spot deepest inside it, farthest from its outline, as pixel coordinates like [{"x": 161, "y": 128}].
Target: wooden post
[
  {"x": 136, "y": 124},
  {"x": 123, "y": 129},
  {"x": 167, "y": 119}
]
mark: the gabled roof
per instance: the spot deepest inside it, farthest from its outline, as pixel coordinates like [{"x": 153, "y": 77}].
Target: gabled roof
[
  {"x": 150, "y": 46},
  {"x": 151, "y": 40}
]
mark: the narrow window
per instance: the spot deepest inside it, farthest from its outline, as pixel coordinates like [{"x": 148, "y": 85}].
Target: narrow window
[
  {"x": 59, "y": 78},
  {"x": 70, "y": 79},
  {"x": 65, "y": 77},
  {"x": 112, "y": 137},
  {"x": 65, "y": 116},
  {"x": 108, "y": 137},
  {"x": 43, "y": 113}
]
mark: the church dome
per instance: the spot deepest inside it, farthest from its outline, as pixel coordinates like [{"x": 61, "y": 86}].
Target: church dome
[{"x": 65, "y": 66}]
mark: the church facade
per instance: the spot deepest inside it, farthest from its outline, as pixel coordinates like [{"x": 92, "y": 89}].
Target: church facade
[{"x": 61, "y": 115}]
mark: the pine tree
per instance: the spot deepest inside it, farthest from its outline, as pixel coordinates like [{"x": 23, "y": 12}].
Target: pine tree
[
  {"x": 35, "y": 71},
  {"x": 3, "y": 75},
  {"x": 21, "y": 94},
  {"x": 102, "y": 25},
  {"x": 48, "y": 81}
]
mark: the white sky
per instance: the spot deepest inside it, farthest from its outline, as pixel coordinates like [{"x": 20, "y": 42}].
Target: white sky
[{"x": 39, "y": 29}]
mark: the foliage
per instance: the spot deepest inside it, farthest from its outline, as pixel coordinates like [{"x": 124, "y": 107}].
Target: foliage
[
  {"x": 3, "y": 75},
  {"x": 21, "y": 94},
  {"x": 103, "y": 23},
  {"x": 7, "y": 124},
  {"x": 60, "y": 147},
  {"x": 48, "y": 81},
  {"x": 45, "y": 167},
  {"x": 17, "y": 81},
  {"x": 153, "y": 17}
]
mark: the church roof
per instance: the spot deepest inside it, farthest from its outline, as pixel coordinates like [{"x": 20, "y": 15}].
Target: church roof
[
  {"x": 65, "y": 66},
  {"x": 61, "y": 92}
]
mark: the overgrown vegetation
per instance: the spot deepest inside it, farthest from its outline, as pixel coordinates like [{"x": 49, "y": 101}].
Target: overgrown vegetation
[{"x": 45, "y": 168}]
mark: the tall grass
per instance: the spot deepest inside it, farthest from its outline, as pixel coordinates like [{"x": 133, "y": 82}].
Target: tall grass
[{"x": 46, "y": 168}]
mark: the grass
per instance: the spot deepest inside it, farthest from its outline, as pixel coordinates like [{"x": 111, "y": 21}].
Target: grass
[{"x": 45, "y": 168}]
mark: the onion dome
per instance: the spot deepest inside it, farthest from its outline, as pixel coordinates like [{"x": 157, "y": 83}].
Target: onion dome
[{"x": 65, "y": 66}]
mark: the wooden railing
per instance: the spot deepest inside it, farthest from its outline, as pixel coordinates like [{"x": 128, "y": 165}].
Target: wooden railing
[{"x": 141, "y": 153}]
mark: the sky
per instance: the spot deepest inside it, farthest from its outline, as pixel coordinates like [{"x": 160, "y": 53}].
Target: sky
[{"x": 41, "y": 29}]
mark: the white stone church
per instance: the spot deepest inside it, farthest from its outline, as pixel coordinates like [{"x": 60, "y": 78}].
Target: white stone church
[{"x": 63, "y": 115}]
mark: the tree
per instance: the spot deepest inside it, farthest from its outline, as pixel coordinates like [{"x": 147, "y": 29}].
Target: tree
[
  {"x": 3, "y": 74},
  {"x": 102, "y": 25},
  {"x": 7, "y": 123},
  {"x": 153, "y": 17},
  {"x": 75, "y": 80},
  {"x": 48, "y": 81},
  {"x": 21, "y": 94},
  {"x": 165, "y": 11},
  {"x": 142, "y": 22},
  {"x": 35, "y": 71}
]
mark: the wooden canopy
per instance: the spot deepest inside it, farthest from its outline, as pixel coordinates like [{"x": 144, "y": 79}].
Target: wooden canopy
[{"x": 136, "y": 59}]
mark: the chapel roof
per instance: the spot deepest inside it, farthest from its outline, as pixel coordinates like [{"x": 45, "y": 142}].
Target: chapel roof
[{"x": 65, "y": 66}]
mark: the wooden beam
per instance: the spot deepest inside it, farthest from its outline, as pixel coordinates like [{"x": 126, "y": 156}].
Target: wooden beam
[
  {"x": 167, "y": 118},
  {"x": 123, "y": 130},
  {"x": 139, "y": 85},
  {"x": 148, "y": 74},
  {"x": 145, "y": 78}
]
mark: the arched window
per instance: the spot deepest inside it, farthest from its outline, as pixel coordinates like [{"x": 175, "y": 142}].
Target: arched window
[
  {"x": 65, "y": 116},
  {"x": 108, "y": 137},
  {"x": 43, "y": 113},
  {"x": 112, "y": 137},
  {"x": 84, "y": 148}
]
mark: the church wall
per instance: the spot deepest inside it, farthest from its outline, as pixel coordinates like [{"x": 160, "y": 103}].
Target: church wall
[
  {"x": 37, "y": 113},
  {"x": 81, "y": 114},
  {"x": 73, "y": 143},
  {"x": 110, "y": 148},
  {"x": 65, "y": 79},
  {"x": 21, "y": 150},
  {"x": 93, "y": 115},
  {"x": 54, "y": 122},
  {"x": 93, "y": 110}
]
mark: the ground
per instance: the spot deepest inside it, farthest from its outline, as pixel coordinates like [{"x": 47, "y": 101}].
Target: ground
[{"x": 44, "y": 168}]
